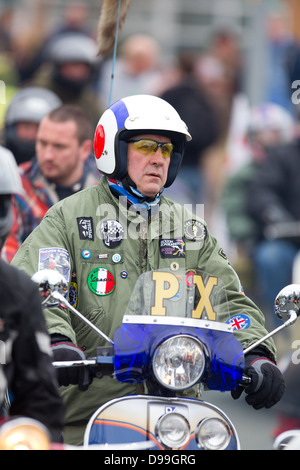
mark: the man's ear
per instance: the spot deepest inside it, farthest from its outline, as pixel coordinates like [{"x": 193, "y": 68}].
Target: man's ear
[{"x": 86, "y": 148}]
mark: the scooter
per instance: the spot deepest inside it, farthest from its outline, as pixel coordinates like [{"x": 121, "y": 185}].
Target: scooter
[{"x": 176, "y": 335}]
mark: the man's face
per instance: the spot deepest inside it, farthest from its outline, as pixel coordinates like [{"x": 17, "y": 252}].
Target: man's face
[
  {"x": 59, "y": 154},
  {"x": 149, "y": 172},
  {"x": 75, "y": 71},
  {"x": 26, "y": 130}
]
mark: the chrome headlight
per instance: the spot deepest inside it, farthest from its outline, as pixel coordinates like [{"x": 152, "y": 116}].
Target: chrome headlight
[
  {"x": 213, "y": 434},
  {"x": 173, "y": 430},
  {"x": 178, "y": 363}
]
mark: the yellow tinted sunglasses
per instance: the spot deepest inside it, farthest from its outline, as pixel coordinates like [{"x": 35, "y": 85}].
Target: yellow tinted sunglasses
[{"x": 150, "y": 147}]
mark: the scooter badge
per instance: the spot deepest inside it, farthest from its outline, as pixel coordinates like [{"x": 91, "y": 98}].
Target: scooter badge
[{"x": 101, "y": 281}]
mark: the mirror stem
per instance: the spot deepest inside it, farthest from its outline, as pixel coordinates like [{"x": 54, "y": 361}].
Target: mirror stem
[
  {"x": 57, "y": 296},
  {"x": 290, "y": 321}
]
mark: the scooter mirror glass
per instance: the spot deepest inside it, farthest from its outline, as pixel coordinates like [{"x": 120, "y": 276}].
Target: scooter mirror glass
[
  {"x": 48, "y": 281},
  {"x": 287, "y": 302}
]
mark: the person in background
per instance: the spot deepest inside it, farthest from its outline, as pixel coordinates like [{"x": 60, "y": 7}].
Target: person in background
[
  {"x": 137, "y": 69},
  {"x": 272, "y": 204},
  {"x": 28, "y": 382},
  {"x": 22, "y": 118},
  {"x": 70, "y": 69},
  {"x": 62, "y": 166},
  {"x": 75, "y": 19},
  {"x": 269, "y": 125},
  {"x": 196, "y": 109}
]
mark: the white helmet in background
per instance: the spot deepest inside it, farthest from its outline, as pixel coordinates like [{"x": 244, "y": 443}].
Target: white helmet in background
[
  {"x": 10, "y": 183},
  {"x": 29, "y": 104},
  {"x": 270, "y": 117},
  {"x": 131, "y": 116},
  {"x": 72, "y": 47}
]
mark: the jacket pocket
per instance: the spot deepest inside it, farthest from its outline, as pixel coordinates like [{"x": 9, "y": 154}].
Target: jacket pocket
[{"x": 87, "y": 338}]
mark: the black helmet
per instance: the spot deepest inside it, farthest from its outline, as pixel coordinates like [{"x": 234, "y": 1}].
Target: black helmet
[
  {"x": 10, "y": 183},
  {"x": 30, "y": 104}
]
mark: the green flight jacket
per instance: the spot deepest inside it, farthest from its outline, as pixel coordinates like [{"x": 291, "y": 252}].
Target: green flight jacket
[{"x": 93, "y": 229}]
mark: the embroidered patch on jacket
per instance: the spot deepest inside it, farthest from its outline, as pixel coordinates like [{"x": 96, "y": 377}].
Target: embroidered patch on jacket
[
  {"x": 85, "y": 228},
  {"x": 222, "y": 253},
  {"x": 239, "y": 322},
  {"x": 195, "y": 230},
  {"x": 55, "y": 258},
  {"x": 172, "y": 248},
  {"x": 73, "y": 294}
]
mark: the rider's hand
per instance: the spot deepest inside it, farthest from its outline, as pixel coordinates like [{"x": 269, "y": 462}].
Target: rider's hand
[
  {"x": 67, "y": 351},
  {"x": 267, "y": 383}
]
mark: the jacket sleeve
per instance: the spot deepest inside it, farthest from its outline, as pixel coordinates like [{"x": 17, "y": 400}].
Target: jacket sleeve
[{"x": 50, "y": 234}]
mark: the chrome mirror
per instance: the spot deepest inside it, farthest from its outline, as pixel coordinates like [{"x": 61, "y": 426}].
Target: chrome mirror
[
  {"x": 287, "y": 302},
  {"x": 53, "y": 289},
  {"x": 49, "y": 281}
]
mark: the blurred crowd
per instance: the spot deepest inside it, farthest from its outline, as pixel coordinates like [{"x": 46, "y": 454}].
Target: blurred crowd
[{"x": 241, "y": 165}]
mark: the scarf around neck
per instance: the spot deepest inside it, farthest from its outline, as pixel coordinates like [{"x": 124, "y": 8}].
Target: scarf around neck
[{"x": 134, "y": 197}]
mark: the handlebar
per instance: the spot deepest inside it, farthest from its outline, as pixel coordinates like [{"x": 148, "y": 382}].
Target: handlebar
[{"x": 105, "y": 366}]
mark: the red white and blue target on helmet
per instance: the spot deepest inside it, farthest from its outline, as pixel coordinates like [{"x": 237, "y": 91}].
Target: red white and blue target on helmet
[{"x": 134, "y": 115}]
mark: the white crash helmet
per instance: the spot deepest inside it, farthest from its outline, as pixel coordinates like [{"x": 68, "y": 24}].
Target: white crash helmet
[
  {"x": 271, "y": 117},
  {"x": 29, "y": 104},
  {"x": 10, "y": 183},
  {"x": 131, "y": 116},
  {"x": 72, "y": 47}
]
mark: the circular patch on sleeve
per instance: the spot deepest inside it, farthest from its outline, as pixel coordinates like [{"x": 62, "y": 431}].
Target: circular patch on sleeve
[
  {"x": 101, "y": 281},
  {"x": 239, "y": 322}
]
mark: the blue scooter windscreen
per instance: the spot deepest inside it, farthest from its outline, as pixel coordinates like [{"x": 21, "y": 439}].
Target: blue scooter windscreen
[{"x": 135, "y": 345}]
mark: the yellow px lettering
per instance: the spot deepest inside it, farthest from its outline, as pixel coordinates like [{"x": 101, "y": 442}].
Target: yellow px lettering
[
  {"x": 204, "y": 302},
  {"x": 166, "y": 287}
]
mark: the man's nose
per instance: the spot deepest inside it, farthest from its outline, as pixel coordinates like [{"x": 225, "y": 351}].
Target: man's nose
[
  {"x": 48, "y": 152},
  {"x": 157, "y": 158}
]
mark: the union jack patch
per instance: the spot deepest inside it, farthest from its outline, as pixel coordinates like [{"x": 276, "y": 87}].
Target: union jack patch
[{"x": 239, "y": 322}]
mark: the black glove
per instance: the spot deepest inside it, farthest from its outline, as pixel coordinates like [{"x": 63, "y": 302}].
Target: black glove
[
  {"x": 67, "y": 351},
  {"x": 267, "y": 383}
]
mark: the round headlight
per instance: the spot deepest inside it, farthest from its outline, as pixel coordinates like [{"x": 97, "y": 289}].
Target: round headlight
[
  {"x": 24, "y": 434},
  {"x": 213, "y": 434},
  {"x": 178, "y": 363},
  {"x": 173, "y": 430}
]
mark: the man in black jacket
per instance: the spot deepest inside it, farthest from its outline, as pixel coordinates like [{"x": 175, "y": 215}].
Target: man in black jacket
[
  {"x": 273, "y": 202},
  {"x": 28, "y": 384}
]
